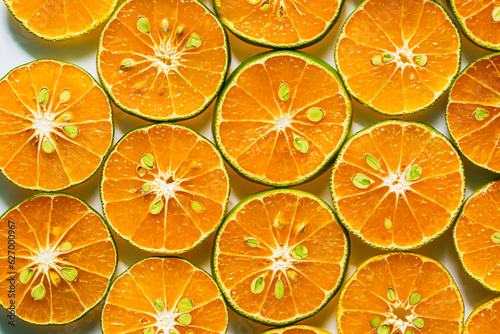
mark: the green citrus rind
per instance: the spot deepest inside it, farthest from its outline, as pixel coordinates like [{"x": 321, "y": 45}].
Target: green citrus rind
[
  {"x": 215, "y": 251},
  {"x": 110, "y": 238},
  {"x": 170, "y": 118},
  {"x": 296, "y": 327},
  {"x": 357, "y": 234},
  {"x": 299, "y": 45},
  {"x": 477, "y": 310},
  {"x": 403, "y": 113},
  {"x": 151, "y": 250},
  {"x": 229, "y": 83},
  {"x": 110, "y": 119}
]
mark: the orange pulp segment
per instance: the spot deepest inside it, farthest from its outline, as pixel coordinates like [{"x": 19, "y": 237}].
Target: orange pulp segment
[
  {"x": 485, "y": 319},
  {"x": 297, "y": 329}
]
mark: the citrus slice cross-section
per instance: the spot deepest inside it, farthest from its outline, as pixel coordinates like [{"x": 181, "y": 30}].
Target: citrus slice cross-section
[
  {"x": 59, "y": 20},
  {"x": 164, "y": 295},
  {"x": 281, "y": 118},
  {"x": 164, "y": 188},
  {"x": 485, "y": 319},
  {"x": 280, "y": 256},
  {"x": 400, "y": 293},
  {"x": 477, "y": 236},
  {"x": 398, "y": 57},
  {"x": 479, "y": 20},
  {"x": 297, "y": 329},
  {"x": 163, "y": 60},
  {"x": 65, "y": 258},
  {"x": 279, "y": 23},
  {"x": 55, "y": 125},
  {"x": 473, "y": 110},
  {"x": 398, "y": 185}
]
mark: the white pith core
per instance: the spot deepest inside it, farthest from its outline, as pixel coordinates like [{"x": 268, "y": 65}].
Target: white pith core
[
  {"x": 165, "y": 321},
  {"x": 395, "y": 321},
  {"x": 44, "y": 124},
  {"x": 282, "y": 123},
  {"x": 165, "y": 185},
  {"x": 396, "y": 182},
  {"x": 281, "y": 259}
]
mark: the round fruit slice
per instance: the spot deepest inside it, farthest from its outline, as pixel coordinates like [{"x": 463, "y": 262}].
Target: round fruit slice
[
  {"x": 164, "y": 295},
  {"x": 484, "y": 319},
  {"x": 477, "y": 236},
  {"x": 473, "y": 110},
  {"x": 281, "y": 118},
  {"x": 59, "y": 20},
  {"x": 400, "y": 293},
  {"x": 398, "y": 185},
  {"x": 60, "y": 256},
  {"x": 56, "y": 125},
  {"x": 479, "y": 20},
  {"x": 164, "y": 188},
  {"x": 279, "y": 24},
  {"x": 398, "y": 57},
  {"x": 298, "y": 329},
  {"x": 163, "y": 60},
  {"x": 280, "y": 256}
]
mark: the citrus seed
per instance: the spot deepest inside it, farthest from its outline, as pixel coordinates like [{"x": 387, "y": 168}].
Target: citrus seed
[
  {"x": 279, "y": 289},
  {"x": 300, "y": 252},
  {"x": 315, "y": 114},
  {"x": 361, "y": 181},
  {"x": 257, "y": 285},
  {"x": 48, "y": 147},
  {"x": 160, "y": 304},
  {"x": 127, "y": 64},
  {"x": 143, "y": 25},
  {"x": 384, "y": 330},
  {"x": 372, "y": 162},
  {"x": 421, "y": 60},
  {"x": 197, "y": 206},
  {"x": 156, "y": 208},
  {"x": 43, "y": 96},
  {"x": 69, "y": 274},
  {"x": 415, "y": 298},
  {"x": 375, "y": 322},
  {"x": 66, "y": 246},
  {"x": 38, "y": 293},
  {"x": 284, "y": 92},
  {"x": 65, "y": 96},
  {"x": 185, "y": 305},
  {"x": 413, "y": 173},
  {"x": 185, "y": 319},
  {"x": 254, "y": 243},
  {"x": 391, "y": 295},
  {"x": 496, "y": 238},
  {"x": 148, "y": 161},
  {"x": 301, "y": 145},
  {"x": 419, "y": 322},
  {"x": 480, "y": 114},
  {"x": 388, "y": 224},
  {"x": 377, "y": 60},
  {"x": 25, "y": 276},
  {"x": 193, "y": 42},
  {"x": 71, "y": 131}
]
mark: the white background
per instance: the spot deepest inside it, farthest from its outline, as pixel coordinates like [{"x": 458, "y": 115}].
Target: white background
[{"x": 18, "y": 47}]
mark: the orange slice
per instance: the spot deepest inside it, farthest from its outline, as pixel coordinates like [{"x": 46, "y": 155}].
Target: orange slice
[
  {"x": 280, "y": 256},
  {"x": 477, "y": 236},
  {"x": 60, "y": 256},
  {"x": 59, "y": 20},
  {"x": 398, "y": 57},
  {"x": 56, "y": 125},
  {"x": 163, "y": 60},
  {"x": 279, "y": 24},
  {"x": 400, "y": 293},
  {"x": 485, "y": 319},
  {"x": 164, "y": 188},
  {"x": 398, "y": 185},
  {"x": 297, "y": 329},
  {"x": 281, "y": 118},
  {"x": 164, "y": 295},
  {"x": 473, "y": 110}
]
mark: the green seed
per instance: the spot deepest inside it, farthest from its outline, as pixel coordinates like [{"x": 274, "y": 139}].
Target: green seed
[
  {"x": 415, "y": 298},
  {"x": 409, "y": 331},
  {"x": 372, "y": 162},
  {"x": 160, "y": 304},
  {"x": 141, "y": 171},
  {"x": 156, "y": 208},
  {"x": 71, "y": 131},
  {"x": 375, "y": 322},
  {"x": 279, "y": 223},
  {"x": 149, "y": 331},
  {"x": 388, "y": 224},
  {"x": 185, "y": 319},
  {"x": 377, "y": 60},
  {"x": 69, "y": 274},
  {"x": 480, "y": 114},
  {"x": 25, "y": 276},
  {"x": 38, "y": 293},
  {"x": 279, "y": 14},
  {"x": 66, "y": 117},
  {"x": 148, "y": 161},
  {"x": 265, "y": 6},
  {"x": 143, "y": 25},
  {"x": 48, "y": 147},
  {"x": 361, "y": 181},
  {"x": 279, "y": 289},
  {"x": 43, "y": 96},
  {"x": 496, "y": 238},
  {"x": 197, "y": 206},
  {"x": 315, "y": 114},
  {"x": 284, "y": 92},
  {"x": 419, "y": 322},
  {"x": 66, "y": 246},
  {"x": 254, "y": 243},
  {"x": 164, "y": 26},
  {"x": 185, "y": 305},
  {"x": 180, "y": 30},
  {"x": 147, "y": 188},
  {"x": 388, "y": 57},
  {"x": 193, "y": 42},
  {"x": 65, "y": 96},
  {"x": 301, "y": 145},
  {"x": 257, "y": 285},
  {"x": 300, "y": 252},
  {"x": 384, "y": 330},
  {"x": 127, "y": 64},
  {"x": 496, "y": 15},
  {"x": 421, "y": 60},
  {"x": 412, "y": 77},
  {"x": 413, "y": 173},
  {"x": 391, "y": 295},
  {"x": 253, "y": 2}
]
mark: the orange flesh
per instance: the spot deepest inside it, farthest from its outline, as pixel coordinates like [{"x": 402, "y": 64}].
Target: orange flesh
[
  {"x": 477, "y": 88},
  {"x": 45, "y": 223},
  {"x": 417, "y": 210},
  {"x": 256, "y": 129},
  {"x": 185, "y": 163},
  {"x": 25, "y": 125},
  {"x": 131, "y": 300},
  {"x": 297, "y": 22},
  {"x": 54, "y": 19},
  {"x": 298, "y": 329},
  {"x": 473, "y": 236},
  {"x": 169, "y": 81},
  {"x": 364, "y": 297},
  {"x": 280, "y": 222},
  {"x": 485, "y": 319},
  {"x": 405, "y": 30}
]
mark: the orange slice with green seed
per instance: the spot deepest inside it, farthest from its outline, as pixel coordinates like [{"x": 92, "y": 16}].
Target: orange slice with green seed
[
  {"x": 297, "y": 329},
  {"x": 400, "y": 293},
  {"x": 65, "y": 259},
  {"x": 485, "y": 319}
]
